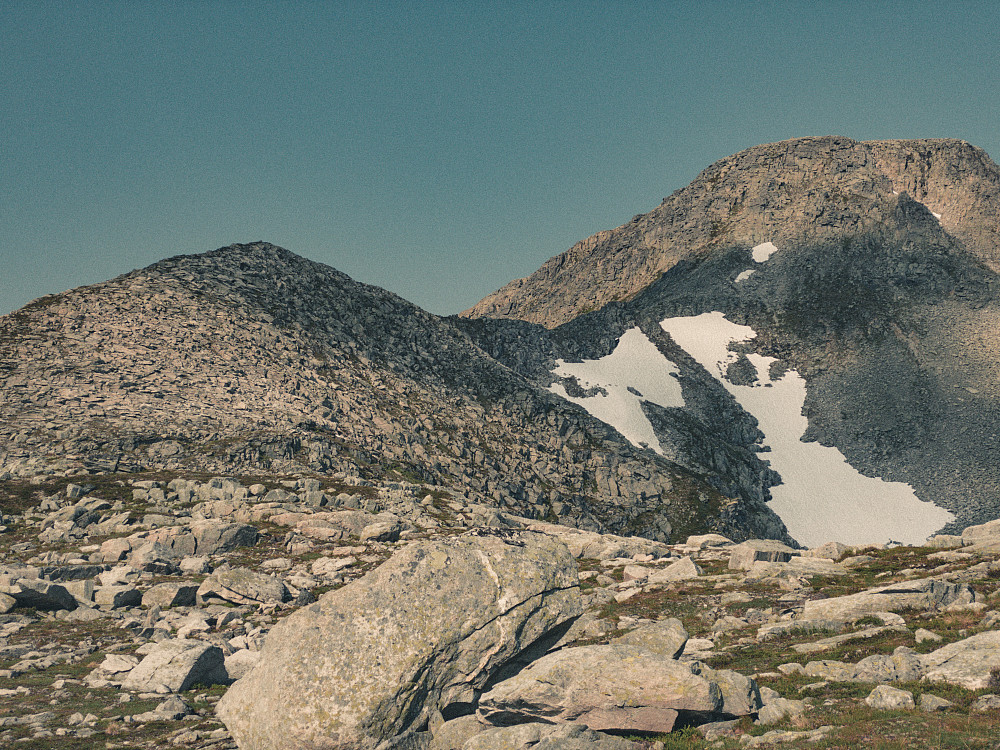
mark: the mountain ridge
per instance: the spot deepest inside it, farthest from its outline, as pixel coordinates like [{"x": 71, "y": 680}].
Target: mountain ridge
[{"x": 764, "y": 193}]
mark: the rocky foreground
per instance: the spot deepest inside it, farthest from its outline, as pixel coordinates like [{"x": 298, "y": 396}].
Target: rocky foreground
[{"x": 301, "y": 612}]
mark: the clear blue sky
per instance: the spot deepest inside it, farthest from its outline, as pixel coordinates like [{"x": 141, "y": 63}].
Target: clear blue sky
[{"x": 436, "y": 149}]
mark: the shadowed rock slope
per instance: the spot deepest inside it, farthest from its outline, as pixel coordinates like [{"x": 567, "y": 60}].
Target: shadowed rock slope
[
  {"x": 882, "y": 295},
  {"x": 252, "y": 360}
]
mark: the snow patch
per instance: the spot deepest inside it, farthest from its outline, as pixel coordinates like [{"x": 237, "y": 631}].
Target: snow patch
[
  {"x": 822, "y": 497},
  {"x": 634, "y": 372},
  {"x": 764, "y": 251},
  {"x": 744, "y": 275}
]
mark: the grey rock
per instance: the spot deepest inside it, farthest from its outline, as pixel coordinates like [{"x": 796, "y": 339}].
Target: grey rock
[
  {"x": 117, "y": 597},
  {"x": 540, "y": 736},
  {"x": 744, "y": 555},
  {"x": 887, "y": 698},
  {"x": 923, "y": 593},
  {"x": 242, "y": 586},
  {"x": 778, "y": 710},
  {"x": 614, "y": 687},
  {"x": 967, "y": 662},
  {"x": 985, "y": 704},
  {"x": 176, "y": 665},
  {"x": 666, "y": 637},
  {"x": 166, "y": 595},
  {"x": 37, "y": 594},
  {"x": 931, "y": 703},
  {"x": 426, "y": 629}
]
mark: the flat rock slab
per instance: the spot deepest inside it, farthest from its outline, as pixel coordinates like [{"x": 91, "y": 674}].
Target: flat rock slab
[
  {"x": 924, "y": 593},
  {"x": 614, "y": 687},
  {"x": 426, "y": 629},
  {"x": 967, "y": 662}
]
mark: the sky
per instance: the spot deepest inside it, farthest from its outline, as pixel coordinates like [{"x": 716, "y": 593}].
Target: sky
[{"x": 436, "y": 149}]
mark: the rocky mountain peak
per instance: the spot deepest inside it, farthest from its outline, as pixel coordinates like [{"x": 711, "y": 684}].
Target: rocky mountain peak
[{"x": 791, "y": 192}]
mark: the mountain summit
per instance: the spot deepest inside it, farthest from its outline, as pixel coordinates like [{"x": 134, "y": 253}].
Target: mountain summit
[{"x": 791, "y": 192}]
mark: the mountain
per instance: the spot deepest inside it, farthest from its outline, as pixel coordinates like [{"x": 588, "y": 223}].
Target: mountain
[
  {"x": 253, "y": 361},
  {"x": 813, "y": 324},
  {"x": 805, "y": 190}
]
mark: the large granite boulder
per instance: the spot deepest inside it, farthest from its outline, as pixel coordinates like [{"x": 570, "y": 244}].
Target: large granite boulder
[
  {"x": 667, "y": 637},
  {"x": 537, "y": 736},
  {"x": 618, "y": 688},
  {"x": 377, "y": 658}
]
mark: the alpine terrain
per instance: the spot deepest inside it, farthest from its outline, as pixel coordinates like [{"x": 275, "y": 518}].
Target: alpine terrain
[{"x": 721, "y": 477}]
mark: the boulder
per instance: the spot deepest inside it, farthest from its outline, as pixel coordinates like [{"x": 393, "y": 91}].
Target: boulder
[
  {"x": 239, "y": 663},
  {"x": 166, "y": 595},
  {"x": 745, "y": 554},
  {"x": 117, "y": 597},
  {"x": 175, "y": 665},
  {"x": 682, "y": 570},
  {"x": 886, "y": 698},
  {"x": 36, "y": 593},
  {"x": 427, "y": 629},
  {"x": 242, "y": 586},
  {"x": 967, "y": 662},
  {"x": 666, "y": 637},
  {"x": 922, "y": 593},
  {"x": 619, "y": 688},
  {"x": 452, "y": 735}
]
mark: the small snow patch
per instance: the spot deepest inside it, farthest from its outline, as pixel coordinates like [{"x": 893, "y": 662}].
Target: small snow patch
[
  {"x": 764, "y": 251},
  {"x": 744, "y": 276},
  {"x": 636, "y": 371}
]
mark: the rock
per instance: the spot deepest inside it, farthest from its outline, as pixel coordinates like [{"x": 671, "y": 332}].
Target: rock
[
  {"x": 539, "y": 736},
  {"x": 240, "y": 662},
  {"x": 452, "y": 735},
  {"x": 614, "y": 687},
  {"x": 886, "y": 698},
  {"x": 35, "y": 593},
  {"x": 425, "y": 630},
  {"x": 195, "y": 565},
  {"x": 666, "y": 637},
  {"x": 921, "y": 635},
  {"x": 682, "y": 570},
  {"x": 740, "y": 694},
  {"x": 176, "y": 665},
  {"x": 242, "y": 586},
  {"x": 967, "y": 662},
  {"x": 701, "y": 541},
  {"x": 166, "y": 595},
  {"x": 986, "y": 532},
  {"x": 985, "y": 704},
  {"x": 932, "y": 703},
  {"x": 778, "y": 710},
  {"x": 117, "y": 597},
  {"x": 903, "y": 666},
  {"x": 829, "y": 550},
  {"x": 7, "y": 603},
  {"x": 923, "y": 593},
  {"x": 745, "y": 554}
]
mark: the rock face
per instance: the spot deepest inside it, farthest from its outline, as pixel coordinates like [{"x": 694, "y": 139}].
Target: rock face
[
  {"x": 426, "y": 630},
  {"x": 176, "y": 665}
]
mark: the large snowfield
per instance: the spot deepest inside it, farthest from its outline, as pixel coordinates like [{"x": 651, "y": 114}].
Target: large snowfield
[{"x": 821, "y": 497}]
